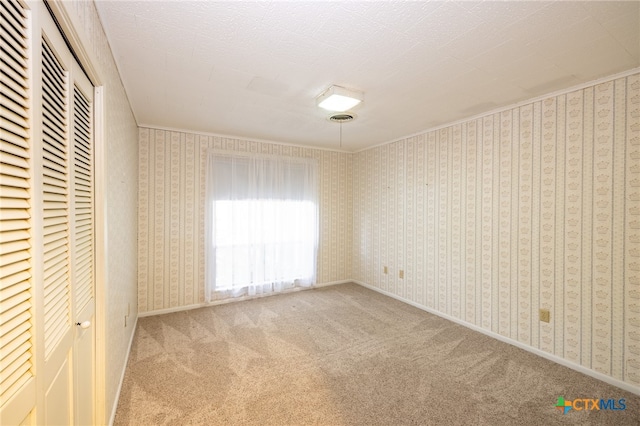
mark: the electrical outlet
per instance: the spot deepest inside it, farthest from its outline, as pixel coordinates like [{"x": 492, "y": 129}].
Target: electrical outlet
[
  {"x": 401, "y": 273},
  {"x": 385, "y": 270},
  {"x": 545, "y": 315}
]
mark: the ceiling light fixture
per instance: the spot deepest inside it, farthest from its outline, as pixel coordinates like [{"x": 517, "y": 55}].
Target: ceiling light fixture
[{"x": 337, "y": 98}]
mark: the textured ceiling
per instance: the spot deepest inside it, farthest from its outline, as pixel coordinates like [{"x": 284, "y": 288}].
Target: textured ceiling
[{"x": 253, "y": 69}]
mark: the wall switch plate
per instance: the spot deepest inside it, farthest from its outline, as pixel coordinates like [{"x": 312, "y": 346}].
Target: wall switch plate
[
  {"x": 545, "y": 315},
  {"x": 401, "y": 273},
  {"x": 385, "y": 270}
]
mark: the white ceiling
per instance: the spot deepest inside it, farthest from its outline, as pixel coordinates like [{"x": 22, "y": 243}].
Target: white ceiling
[{"x": 253, "y": 69}]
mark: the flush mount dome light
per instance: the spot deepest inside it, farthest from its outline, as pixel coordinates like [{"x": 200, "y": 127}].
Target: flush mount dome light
[
  {"x": 337, "y": 98},
  {"x": 341, "y": 117}
]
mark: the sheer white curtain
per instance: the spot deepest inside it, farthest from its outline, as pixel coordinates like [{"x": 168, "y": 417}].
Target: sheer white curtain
[{"x": 261, "y": 224}]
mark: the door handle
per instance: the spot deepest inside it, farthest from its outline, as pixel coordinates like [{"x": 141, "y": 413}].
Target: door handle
[{"x": 84, "y": 324}]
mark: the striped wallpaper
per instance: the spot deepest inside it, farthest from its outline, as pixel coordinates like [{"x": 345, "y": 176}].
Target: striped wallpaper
[
  {"x": 490, "y": 220},
  {"x": 171, "y": 213},
  {"x": 533, "y": 207}
]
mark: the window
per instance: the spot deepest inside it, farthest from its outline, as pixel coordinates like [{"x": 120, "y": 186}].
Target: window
[{"x": 262, "y": 224}]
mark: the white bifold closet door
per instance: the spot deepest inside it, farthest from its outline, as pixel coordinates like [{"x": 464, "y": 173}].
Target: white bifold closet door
[
  {"x": 17, "y": 381},
  {"x": 47, "y": 280}
]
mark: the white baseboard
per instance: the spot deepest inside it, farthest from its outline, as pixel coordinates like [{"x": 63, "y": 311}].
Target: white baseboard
[
  {"x": 558, "y": 360},
  {"x": 171, "y": 310},
  {"x": 235, "y": 299},
  {"x": 124, "y": 370},
  {"x": 332, "y": 283}
]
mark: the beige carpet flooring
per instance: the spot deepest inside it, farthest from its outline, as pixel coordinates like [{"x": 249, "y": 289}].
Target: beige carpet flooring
[{"x": 343, "y": 355}]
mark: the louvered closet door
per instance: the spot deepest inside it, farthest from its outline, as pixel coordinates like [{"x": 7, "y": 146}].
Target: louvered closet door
[
  {"x": 17, "y": 380},
  {"x": 82, "y": 264},
  {"x": 64, "y": 259}
]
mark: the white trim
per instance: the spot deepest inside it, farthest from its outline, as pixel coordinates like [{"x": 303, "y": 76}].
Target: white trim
[
  {"x": 330, "y": 283},
  {"x": 239, "y": 138},
  {"x": 112, "y": 417},
  {"x": 510, "y": 106},
  {"x": 558, "y": 360},
  {"x": 235, "y": 299},
  {"x": 100, "y": 257},
  {"x": 171, "y": 310}
]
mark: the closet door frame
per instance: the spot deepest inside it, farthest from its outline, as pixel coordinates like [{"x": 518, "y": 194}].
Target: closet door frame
[{"x": 88, "y": 63}]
